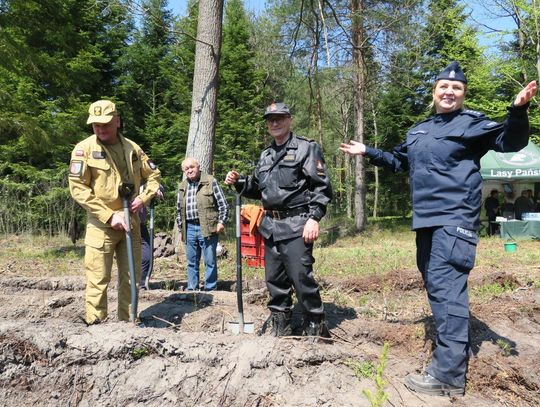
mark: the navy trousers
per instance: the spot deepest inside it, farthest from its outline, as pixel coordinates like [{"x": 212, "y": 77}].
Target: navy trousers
[
  {"x": 445, "y": 256},
  {"x": 288, "y": 265},
  {"x": 146, "y": 253}
]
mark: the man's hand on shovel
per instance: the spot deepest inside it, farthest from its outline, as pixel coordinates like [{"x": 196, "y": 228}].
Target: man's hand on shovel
[
  {"x": 117, "y": 222},
  {"x": 136, "y": 205}
]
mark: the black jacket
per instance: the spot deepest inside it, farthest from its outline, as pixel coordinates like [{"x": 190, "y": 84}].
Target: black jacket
[{"x": 290, "y": 176}]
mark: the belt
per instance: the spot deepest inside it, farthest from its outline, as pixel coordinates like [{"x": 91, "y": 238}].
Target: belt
[
  {"x": 194, "y": 221},
  {"x": 286, "y": 214}
]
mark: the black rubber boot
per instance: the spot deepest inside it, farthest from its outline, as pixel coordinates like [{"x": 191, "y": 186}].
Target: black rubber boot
[
  {"x": 315, "y": 327},
  {"x": 427, "y": 384},
  {"x": 281, "y": 323}
]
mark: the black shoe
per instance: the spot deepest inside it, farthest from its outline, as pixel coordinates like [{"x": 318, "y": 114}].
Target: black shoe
[
  {"x": 281, "y": 323},
  {"x": 315, "y": 327},
  {"x": 426, "y": 384}
]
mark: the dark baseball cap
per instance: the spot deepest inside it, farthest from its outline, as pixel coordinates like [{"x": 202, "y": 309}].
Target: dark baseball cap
[{"x": 277, "y": 108}]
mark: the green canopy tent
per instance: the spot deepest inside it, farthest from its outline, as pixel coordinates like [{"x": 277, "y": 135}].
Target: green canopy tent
[
  {"x": 508, "y": 167},
  {"x": 512, "y": 173}
]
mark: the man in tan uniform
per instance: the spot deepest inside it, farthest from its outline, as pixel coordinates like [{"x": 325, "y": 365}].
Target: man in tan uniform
[{"x": 99, "y": 165}]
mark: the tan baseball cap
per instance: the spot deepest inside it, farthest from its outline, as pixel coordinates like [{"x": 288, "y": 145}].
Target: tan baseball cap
[{"x": 102, "y": 112}]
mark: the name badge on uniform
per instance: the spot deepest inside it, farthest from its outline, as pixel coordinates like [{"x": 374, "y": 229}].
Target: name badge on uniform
[
  {"x": 75, "y": 168},
  {"x": 99, "y": 154},
  {"x": 289, "y": 157}
]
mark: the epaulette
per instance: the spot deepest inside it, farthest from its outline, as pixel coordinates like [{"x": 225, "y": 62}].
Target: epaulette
[
  {"x": 305, "y": 139},
  {"x": 472, "y": 113},
  {"x": 427, "y": 119}
]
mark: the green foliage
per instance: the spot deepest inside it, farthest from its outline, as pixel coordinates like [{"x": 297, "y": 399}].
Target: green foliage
[
  {"x": 239, "y": 131},
  {"x": 505, "y": 346},
  {"x": 140, "y": 352},
  {"x": 37, "y": 200},
  {"x": 57, "y": 56},
  {"x": 361, "y": 369},
  {"x": 378, "y": 398},
  {"x": 489, "y": 291}
]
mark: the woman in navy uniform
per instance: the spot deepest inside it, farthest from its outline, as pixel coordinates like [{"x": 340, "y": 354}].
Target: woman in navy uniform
[{"x": 442, "y": 155}]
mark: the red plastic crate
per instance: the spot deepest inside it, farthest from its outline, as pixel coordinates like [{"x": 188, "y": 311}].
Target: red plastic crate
[
  {"x": 252, "y": 245},
  {"x": 255, "y": 261},
  {"x": 249, "y": 239}
]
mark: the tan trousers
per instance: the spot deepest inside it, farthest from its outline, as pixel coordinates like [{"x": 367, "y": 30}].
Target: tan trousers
[{"x": 102, "y": 243}]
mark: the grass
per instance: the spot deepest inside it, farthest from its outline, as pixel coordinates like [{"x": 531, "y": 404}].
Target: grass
[
  {"x": 506, "y": 347},
  {"x": 369, "y": 370},
  {"x": 379, "y": 397},
  {"x": 386, "y": 245},
  {"x": 30, "y": 255},
  {"x": 361, "y": 369},
  {"x": 489, "y": 291}
]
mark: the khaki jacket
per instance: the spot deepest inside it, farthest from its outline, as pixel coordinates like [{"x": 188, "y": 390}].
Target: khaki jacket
[{"x": 94, "y": 178}]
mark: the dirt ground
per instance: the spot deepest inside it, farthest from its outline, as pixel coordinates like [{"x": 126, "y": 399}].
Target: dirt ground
[{"x": 184, "y": 355}]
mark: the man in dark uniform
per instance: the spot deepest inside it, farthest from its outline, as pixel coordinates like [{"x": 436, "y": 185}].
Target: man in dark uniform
[
  {"x": 442, "y": 155},
  {"x": 292, "y": 181},
  {"x": 492, "y": 207},
  {"x": 523, "y": 204}
]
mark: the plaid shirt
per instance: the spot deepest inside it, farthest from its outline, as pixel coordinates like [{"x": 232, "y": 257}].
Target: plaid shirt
[{"x": 191, "y": 203}]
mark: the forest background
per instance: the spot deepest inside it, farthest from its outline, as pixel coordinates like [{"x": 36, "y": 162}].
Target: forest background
[{"x": 349, "y": 69}]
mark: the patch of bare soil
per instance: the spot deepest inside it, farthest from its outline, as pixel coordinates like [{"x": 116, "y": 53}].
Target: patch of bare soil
[{"x": 183, "y": 354}]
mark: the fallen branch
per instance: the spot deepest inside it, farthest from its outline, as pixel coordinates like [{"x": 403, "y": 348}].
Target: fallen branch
[{"x": 173, "y": 326}]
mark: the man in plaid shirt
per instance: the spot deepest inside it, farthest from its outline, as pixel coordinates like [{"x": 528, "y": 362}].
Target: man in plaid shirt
[{"x": 202, "y": 211}]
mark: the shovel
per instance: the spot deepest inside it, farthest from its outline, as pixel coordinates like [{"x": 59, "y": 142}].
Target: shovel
[
  {"x": 240, "y": 326},
  {"x": 126, "y": 191},
  {"x": 151, "y": 233}
]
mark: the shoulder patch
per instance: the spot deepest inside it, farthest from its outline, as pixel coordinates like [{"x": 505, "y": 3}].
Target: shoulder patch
[
  {"x": 79, "y": 153},
  {"x": 75, "y": 168},
  {"x": 490, "y": 124}
]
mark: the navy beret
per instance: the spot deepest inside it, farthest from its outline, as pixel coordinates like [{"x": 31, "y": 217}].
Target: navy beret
[{"x": 452, "y": 72}]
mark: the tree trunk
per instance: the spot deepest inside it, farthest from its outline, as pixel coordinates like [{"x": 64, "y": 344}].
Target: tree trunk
[
  {"x": 357, "y": 8},
  {"x": 376, "y": 145},
  {"x": 202, "y": 125},
  {"x": 313, "y": 78}
]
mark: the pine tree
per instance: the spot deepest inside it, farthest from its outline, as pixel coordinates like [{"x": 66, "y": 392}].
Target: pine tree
[
  {"x": 239, "y": 135},
  {"x": 56, "y": 56}
]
